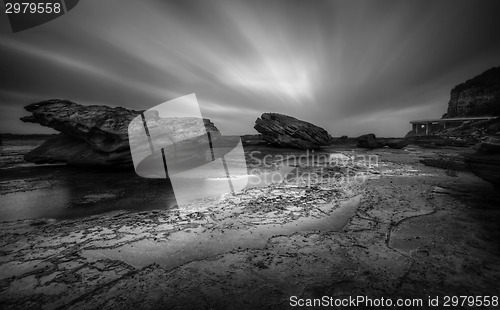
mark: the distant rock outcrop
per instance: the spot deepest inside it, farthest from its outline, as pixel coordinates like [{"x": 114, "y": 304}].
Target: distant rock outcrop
[
  {"x": 485, "y": 163},
  {"x": 396, "y": 143},
  {"x": 286, "y": 131},
  {"x": 90, "y": 135},
  {"x": 479, "y": 96},
  {"x": 252, "y": 140},
  {"x": 369, "y": 141}
]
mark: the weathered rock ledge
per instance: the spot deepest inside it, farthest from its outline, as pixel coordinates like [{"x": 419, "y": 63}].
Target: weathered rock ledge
[{"x": 93, "y": 135}]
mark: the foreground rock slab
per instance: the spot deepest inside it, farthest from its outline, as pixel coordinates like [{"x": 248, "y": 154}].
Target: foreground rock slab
[{"x": 286, "y": 131}]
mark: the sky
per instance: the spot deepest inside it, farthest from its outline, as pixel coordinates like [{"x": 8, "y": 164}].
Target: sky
[{"x": 351, "y": 67}]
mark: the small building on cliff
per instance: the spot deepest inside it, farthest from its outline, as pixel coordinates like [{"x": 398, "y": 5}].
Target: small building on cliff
[
  {"x": 477, "y": 99},
  {"x": 430, "y": 126}
]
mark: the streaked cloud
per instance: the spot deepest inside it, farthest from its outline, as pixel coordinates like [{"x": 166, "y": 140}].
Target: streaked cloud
[{"x": 349, "y": 66}]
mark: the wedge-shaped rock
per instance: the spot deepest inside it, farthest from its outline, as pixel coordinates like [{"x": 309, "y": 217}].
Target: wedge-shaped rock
[
  {"x": 286, "y": 131},
  {"x": 91, "y": 135}
]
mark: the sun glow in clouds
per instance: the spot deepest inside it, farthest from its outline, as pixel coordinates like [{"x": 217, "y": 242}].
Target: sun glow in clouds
[{"x": 272, "y": 77}]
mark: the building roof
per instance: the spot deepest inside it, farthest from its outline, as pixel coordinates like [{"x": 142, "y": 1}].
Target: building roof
[{"x": 457, "y": 119}]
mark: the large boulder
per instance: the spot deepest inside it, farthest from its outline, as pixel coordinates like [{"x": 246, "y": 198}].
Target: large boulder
[
  {"x": 92, "y": 135},
  {"x": 485, "y": 162},
  {"x": 286, "y": 131},
  {"x": 369, "y": 141}
]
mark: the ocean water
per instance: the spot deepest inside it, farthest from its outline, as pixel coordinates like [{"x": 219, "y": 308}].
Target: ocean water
[
  {"x": 30, "y": 191},
  {"x": 13, "y": 149}
]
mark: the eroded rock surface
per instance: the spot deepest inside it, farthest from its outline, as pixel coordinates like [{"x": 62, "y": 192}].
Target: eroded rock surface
[
  {"x": 411, "y": 236},
  {"x": 286, "y": 131}
]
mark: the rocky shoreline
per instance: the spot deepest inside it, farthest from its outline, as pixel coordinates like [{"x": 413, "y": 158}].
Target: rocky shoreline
[{"x": 414, "y": 231}]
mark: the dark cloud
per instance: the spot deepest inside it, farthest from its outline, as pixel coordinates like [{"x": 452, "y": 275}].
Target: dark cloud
[{"x": 349, "y": 66}]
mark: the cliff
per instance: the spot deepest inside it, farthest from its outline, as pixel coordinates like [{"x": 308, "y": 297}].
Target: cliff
[{"x": 479, "y": 96}]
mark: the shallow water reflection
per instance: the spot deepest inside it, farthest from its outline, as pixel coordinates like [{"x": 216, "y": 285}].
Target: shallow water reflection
[{"x": 62, "y": 192}]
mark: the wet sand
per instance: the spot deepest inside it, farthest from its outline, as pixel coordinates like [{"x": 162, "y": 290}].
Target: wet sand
[{"x": 408, "y": 231}]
